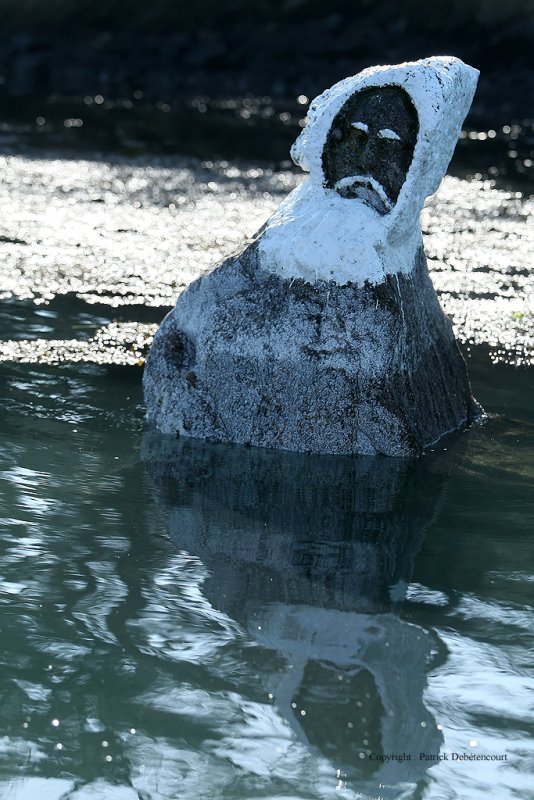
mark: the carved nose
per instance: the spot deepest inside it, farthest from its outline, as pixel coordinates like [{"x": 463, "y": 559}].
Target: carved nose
[{"x": 368, "y": 152}]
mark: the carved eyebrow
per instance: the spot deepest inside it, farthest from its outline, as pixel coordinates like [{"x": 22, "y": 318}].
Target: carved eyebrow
[
  {"x": 361, "y": 126},
  {"x": 387, "y": 133}
]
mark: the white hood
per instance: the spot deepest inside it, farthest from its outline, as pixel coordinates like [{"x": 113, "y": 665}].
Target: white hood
[{"x": 318, "y": 235}]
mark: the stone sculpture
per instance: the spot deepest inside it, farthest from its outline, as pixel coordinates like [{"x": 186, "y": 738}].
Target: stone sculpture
[{"x": 325, "y": 333}]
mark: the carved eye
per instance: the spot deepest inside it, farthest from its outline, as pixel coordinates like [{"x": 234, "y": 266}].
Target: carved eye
[
  {"x": 336, "y": 134},
  {"x": 360, "y": 127},
  {"x": 360, "y": 133},
  {"x": 387, "y": 133}
]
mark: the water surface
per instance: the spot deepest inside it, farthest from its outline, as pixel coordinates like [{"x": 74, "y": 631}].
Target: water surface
[{"x": 182, "y": 620}]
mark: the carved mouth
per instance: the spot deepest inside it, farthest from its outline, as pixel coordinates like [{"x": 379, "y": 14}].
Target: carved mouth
[{"x": 366, "y": 188}]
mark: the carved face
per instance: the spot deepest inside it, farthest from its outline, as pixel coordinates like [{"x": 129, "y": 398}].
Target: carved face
[{"x": 370, "y": 146}]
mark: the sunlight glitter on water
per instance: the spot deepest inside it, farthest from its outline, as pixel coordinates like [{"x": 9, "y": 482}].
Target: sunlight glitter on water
[{"x": 122, "y": 233}]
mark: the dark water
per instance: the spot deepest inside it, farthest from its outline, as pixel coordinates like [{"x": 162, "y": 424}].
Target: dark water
[
  {"x": 185, "y": 620},
  {"x": 190, "y": 621}
]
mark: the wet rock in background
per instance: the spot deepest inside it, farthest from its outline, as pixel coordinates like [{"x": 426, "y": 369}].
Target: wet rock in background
[{"x": 142, "y": 60}]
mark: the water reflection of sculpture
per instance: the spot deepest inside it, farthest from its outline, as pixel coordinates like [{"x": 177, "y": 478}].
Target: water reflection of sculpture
[{"x": 312, "y": 557}]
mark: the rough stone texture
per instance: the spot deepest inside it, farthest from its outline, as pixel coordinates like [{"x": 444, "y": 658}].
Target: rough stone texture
[
  {"x": 325, "y": 334},
  {"x": 248, "y": 356}
]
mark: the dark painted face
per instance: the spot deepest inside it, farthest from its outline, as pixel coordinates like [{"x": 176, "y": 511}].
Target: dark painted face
[{"x": 370, "y": 146}]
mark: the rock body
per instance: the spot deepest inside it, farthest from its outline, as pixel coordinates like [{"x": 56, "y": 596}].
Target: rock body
[
  {"x": 325, "y": 335},
  {"x": 248, "y": 356}
]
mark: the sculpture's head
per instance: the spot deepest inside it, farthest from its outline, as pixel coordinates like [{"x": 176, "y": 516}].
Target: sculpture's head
[
  {"x": 375, "y": 146},
  {"x": 386, "y": 135},
  {"x": 370, "y": 145}
]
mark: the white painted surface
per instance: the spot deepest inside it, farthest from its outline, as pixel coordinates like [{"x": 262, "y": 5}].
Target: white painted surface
[{"x": 318, "y": 235}]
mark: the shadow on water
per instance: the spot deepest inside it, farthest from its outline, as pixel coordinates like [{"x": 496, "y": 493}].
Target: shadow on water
[{"x": 312, "y": 556}]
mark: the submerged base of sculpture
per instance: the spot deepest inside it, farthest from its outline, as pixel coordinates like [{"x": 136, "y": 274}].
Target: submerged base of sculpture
[{"x": 251, "y": 357}]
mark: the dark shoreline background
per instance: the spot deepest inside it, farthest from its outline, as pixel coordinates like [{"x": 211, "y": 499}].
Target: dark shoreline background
[{"x": 233, "y": 78}]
